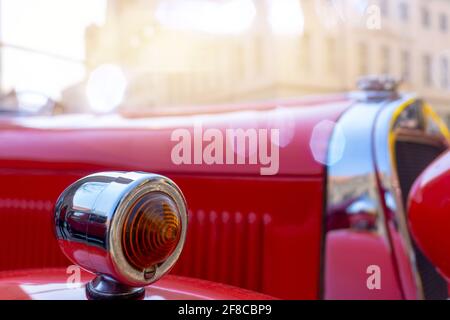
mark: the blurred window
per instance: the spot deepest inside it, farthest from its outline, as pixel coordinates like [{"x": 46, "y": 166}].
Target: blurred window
[
  {"x": 426, "y": 18},
  {"x": 406, "y": 65},
  {"x": 384, "y": 7},
  {"x": 427, "y": 70},
  {"x": 305, "y": 53},
  {"x": 403, "y": 11},
  {"x": 443, "y": 22},
  {"x": 240, "y": 62},
  {"x": 331, "y": 52},
  {"x": 444, "y": 73},
  {"x": 385, "y": 59},
  {"x": 258, "y": 48},
  {"x": 363, "y": 59}
]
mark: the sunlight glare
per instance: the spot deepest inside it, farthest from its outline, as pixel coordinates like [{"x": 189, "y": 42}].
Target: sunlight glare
[
  {"x": 34, "y": 32},
  {"x": 286, "y": 17},
  {"x": 224, "y": 17}
]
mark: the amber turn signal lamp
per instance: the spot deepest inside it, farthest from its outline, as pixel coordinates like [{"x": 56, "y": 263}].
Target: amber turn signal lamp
[{"x": 151, "y": 230}]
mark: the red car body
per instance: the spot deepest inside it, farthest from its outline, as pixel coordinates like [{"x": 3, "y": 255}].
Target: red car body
[
  {"x": 263, "y": 233},
  {"x": 429, "y": 212}
]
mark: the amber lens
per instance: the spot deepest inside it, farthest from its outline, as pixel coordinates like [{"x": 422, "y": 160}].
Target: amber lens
[{"x": 151, "y": 230}]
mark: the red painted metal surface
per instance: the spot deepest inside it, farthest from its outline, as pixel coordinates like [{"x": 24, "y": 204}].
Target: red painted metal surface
[
  {"x": 365, "y": 250},
  {"x": 261, "y": 233},
  {"x": 56, "y": 284},
  {"x": 266, "y": 239},
  {"x": 429, "y": 213}
]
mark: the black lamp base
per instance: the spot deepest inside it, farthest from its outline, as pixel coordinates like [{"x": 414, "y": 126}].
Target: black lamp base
[{"x": 105, "y": 288}]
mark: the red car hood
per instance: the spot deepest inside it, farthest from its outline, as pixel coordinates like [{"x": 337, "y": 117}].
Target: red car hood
[
  {"x": 52, "y": 284},
  {"x": 144, "y": 143}
]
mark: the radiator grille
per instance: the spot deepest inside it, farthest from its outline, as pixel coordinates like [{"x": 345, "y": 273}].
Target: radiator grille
[
  {"x": 412, "y": 159},
  {"x": 225, "y": 247},
  {"x": 26, "y": 237}
]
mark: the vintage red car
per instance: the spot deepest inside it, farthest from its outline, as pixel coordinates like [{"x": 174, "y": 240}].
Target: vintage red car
[{"x": 317, "y": 210}]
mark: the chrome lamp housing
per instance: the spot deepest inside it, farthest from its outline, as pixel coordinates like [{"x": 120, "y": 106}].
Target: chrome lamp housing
[{"x": 105, "y": 222}]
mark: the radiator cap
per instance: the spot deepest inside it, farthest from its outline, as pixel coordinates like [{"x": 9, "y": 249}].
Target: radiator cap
[{"x": 378, "y": 87}]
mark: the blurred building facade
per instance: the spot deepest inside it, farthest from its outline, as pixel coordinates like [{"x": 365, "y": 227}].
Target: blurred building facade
[{"x": 340, "y": 41}]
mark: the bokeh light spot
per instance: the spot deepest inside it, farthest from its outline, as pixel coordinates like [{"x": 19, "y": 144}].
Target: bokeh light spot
[
  {"x": 106, "y": 88},
  {"x": 327, "y": 142}
]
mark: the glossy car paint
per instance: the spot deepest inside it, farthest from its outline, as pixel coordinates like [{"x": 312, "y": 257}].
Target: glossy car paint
[
  {"x": 240, "y": 221},
  {"x": 58, "y": 284},
  {"x": 429, "y": 213}
]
